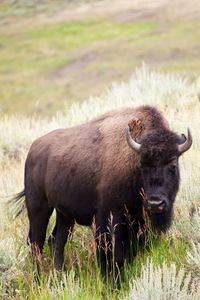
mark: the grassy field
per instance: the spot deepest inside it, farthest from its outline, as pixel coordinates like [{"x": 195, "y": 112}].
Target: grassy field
[
  {"x": 169, "y": 268},
  {"x": 58, "y": 62},
  {"x": 54, "y": 54}
]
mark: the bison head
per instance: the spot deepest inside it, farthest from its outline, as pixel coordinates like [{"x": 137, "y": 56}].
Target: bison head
[{"x": 158, "y": 153}]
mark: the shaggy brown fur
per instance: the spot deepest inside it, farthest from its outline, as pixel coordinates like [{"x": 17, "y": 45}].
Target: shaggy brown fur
[{"x": 89, "y": 171}]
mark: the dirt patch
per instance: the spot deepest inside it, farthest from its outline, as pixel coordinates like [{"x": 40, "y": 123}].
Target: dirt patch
[
  {"x": 77, "y": 64},
  {"x": 175, "y": 55}
]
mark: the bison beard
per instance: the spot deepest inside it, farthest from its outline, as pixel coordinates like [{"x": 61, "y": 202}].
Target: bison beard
[{"x": 96, "y": 171}]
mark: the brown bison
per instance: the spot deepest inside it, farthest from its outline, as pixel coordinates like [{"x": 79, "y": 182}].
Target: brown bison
[{"x": 96, "y": 171}]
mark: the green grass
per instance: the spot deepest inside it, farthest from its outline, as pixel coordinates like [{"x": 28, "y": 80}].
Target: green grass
[
  {"x": 30, "y": 58},
  {"x": 81, "y": 278},
  {"x": 77, "y": 34}
]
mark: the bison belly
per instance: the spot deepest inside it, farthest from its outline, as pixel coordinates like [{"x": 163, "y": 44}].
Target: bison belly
[{"x": 72, "y": 190}]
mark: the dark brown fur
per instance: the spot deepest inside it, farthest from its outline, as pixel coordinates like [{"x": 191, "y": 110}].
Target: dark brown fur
[{"x": 89, "y": 171}]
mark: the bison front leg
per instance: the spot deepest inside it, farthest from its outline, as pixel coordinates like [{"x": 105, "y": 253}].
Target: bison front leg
[
  {"x": 109, "y": 241},
  {"x": 103, "y": 243}
]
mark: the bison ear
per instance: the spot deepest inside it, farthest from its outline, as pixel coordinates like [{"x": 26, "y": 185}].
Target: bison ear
[
  {"x": 185, "y": 145},
  {"x": 135, "y": 127},
  {"x": 183, "y": 138}
]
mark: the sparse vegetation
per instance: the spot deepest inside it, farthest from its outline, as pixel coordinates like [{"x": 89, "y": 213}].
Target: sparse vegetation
[{"x": 163, "y": 283}]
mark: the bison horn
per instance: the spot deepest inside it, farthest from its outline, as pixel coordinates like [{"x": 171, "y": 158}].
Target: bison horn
[
  {"x": 131, "y": 142},
  {"x": 187, "y": 144}
]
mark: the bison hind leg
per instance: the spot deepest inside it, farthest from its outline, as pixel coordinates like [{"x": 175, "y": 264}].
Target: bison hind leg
[
  {"x": 38, "y": 218},
  {"x": 59, "y": 237}
]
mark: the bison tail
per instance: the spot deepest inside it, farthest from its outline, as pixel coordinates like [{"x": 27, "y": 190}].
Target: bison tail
[{"x": 17, "y": 204}]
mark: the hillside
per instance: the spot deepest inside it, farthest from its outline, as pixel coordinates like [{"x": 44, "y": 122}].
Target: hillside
[{"x": 53, "y": 53}]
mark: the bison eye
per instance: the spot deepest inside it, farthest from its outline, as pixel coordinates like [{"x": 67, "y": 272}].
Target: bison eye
[{"x": 172, "y": 168}]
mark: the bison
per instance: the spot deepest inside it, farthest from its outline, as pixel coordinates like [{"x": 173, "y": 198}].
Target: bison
[{"x": 109, "y": 170}]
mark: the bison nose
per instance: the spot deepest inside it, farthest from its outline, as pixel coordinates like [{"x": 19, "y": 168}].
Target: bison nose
[{"x": 156, "y": 205}]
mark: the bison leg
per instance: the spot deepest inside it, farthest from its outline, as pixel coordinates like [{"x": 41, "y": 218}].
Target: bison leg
[
  {"x": 109, "y": 240},
  {"x": 135, "y": 238},
  {"x": 38, "y": 217},
  {"x": 103, "y": 243},
  {"x": 119, "y": 242},
  {"x": 62, "y": 230}
]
